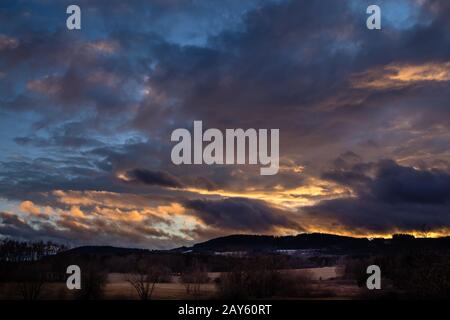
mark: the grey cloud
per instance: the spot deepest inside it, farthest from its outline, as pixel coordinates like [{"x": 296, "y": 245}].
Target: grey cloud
[
  {"x": 388, "y": 198},
  {"x": 241, "y": 214},
  {"x": 150, "y": 177}
]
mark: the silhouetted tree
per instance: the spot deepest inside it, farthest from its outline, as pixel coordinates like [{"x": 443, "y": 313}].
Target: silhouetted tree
[
  {"x": 19, "y": 251},
  {"x": 93, "y": 282},
  {"x": 144, "y": 279},
  {"x": 194, "y": 277},
  {"x": 30, "y": 279}
]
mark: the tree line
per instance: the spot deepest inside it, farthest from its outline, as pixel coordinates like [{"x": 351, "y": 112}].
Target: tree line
[{"x": 22, "y": 251}]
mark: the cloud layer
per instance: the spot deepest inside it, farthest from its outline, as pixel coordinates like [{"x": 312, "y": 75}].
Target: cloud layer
[{"x": 86, "y": 117}]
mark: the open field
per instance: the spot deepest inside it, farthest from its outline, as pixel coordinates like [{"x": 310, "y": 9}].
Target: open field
[
  {"x": 120, "y": 290},
  {"x": 324, "y": 284}
]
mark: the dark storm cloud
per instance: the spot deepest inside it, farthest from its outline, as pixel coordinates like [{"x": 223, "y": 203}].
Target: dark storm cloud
[
  {"x": 12, "y": 226},
  {"x": 281, "y": 44},
  {"x": 309, "y": 55},
  {"x": 397, "y": 184},
  {"x": 292, "y": 67},
  {"x": 390, "y": 182},
  {"x": 388, "y": 197},
  {"x": 241, "y": 214},
  {"x": 103, "y": 68},
  {"x": 158, "y": 178}
]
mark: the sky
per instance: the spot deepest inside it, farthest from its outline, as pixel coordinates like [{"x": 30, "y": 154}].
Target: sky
[{"x": 86, "y": 117}]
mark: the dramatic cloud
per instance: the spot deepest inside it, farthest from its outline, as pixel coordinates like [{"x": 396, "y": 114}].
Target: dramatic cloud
[
  {"x": 158, "y": 178},
  {"x": 243, "y": 215},
  {"x": 388, "y": 198},
  {"x": 86, "y": 118}
]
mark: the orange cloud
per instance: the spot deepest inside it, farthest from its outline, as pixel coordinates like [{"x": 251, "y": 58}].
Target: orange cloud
[
  {"x": 76, "y": 212},
  {"x": 400, "y": 75},
  {"x": 291, "y": 198},
  {"x": 29, "y": 207}
]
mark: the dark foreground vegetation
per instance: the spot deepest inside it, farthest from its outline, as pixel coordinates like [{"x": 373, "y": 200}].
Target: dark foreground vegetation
[{"x": 411, "y": 268}]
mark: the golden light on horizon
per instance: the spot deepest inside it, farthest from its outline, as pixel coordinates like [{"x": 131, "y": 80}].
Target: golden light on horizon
[
  {"x": 87, "y": 207},
  {"x": 288, "y": 199}
]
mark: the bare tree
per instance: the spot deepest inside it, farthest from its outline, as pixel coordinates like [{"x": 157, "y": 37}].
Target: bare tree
[
  {"x": 144, "y": 279},
  {"x": 30, "y": 281},
  {"x": 193, "y": 278},
  {"x": 259, "y": 279},
  {"x": 93, "y": 282},
  {"x": 30, "y": 290}
]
